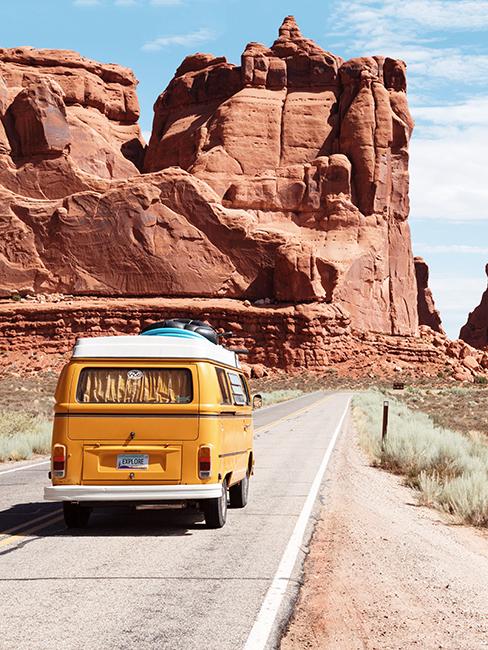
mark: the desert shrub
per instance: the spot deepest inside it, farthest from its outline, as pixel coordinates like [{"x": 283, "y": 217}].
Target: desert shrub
[
  {"x": 23, "y": 435},
  {"x": 449, "y": 469},
  {"x": 275, "y": 396}
]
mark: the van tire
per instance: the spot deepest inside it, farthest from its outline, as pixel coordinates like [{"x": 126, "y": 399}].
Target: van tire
[
  {"x": 75, "y": 516},
  {"x": 239, "y": 493},
  {"x": 215, "y": 510}
]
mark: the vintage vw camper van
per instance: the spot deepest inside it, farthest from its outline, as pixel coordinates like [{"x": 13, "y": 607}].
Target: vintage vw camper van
[{"x": 163, "y": 417}]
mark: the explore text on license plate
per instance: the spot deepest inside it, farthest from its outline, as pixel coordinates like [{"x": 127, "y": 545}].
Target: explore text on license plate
[{"x": 132, "y": 461}]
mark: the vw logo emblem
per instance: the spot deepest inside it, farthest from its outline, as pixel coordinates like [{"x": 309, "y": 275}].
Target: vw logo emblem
[{"x": 134, "y": 374}]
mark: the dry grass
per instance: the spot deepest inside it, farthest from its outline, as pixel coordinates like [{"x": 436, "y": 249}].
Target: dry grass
[
  {"x": 23, "y": 435},
  {"x": 275, "y": 396},
  {"x": 449, "y": 469},
  {"x": 33, "y": 394},
  {"x": 463, "y": 409}
]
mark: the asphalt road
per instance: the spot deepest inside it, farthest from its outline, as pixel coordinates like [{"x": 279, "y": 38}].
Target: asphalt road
[{"x": 155, "y": 578}]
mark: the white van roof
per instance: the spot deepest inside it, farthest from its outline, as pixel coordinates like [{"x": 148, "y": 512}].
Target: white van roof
[{"x": 153, "y": 347}]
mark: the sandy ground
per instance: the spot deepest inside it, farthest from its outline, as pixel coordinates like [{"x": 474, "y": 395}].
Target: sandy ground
[{"x": 383, "y": 573}]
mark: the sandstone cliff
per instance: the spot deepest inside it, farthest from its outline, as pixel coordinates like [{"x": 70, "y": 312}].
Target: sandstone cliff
[
  {"x": 315, "y": 150},
  {"x": 475, "y": 332},
  {"x": 283, "y": 181}
]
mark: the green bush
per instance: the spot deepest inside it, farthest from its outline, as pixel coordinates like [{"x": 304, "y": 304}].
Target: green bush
[
  {"x": 449, "y": 470},
  {"x": 23, "y": 435}
]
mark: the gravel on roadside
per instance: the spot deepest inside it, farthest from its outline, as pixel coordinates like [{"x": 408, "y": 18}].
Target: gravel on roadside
[{"x": 384, "y": 573}]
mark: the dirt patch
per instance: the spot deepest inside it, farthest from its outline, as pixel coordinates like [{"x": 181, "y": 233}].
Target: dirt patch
[
  {"x": 462, "y": 409},
  {"x": 384, "y": 573},
  {"x": 33, "y": 394}
]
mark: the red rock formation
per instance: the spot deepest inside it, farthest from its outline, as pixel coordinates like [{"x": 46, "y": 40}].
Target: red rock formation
[
  {"x": 57, "y": 104},
  {"x": 317, "y": 151},
  {"x": 283, "y": 179},
  {"x": 38, "y": 335},
  {"x": 475, "y": 331},
  {"x": 428, "y": 314}
]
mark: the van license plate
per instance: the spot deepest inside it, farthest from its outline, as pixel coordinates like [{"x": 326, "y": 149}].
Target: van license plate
[{"x": 132, "y": 461}]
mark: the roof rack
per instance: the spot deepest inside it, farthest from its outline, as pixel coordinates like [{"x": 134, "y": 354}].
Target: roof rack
[{"x": 182, "y": 327}]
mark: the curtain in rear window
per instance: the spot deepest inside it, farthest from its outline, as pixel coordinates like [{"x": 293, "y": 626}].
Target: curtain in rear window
[
  {"x": 135, "y": 386},
  {"x": 224, "y": 388}
]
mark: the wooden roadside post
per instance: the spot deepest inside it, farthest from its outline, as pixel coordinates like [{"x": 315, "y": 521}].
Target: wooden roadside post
[{"x": 384, "y": 431}]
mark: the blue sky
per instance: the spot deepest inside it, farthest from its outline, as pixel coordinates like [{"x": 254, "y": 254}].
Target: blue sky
[{"x": 444, "y": 43}]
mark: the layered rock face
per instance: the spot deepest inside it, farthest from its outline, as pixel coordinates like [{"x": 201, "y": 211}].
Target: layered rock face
[
  {"x": 475, "y": 332},
  {"x": 316, "y": 150},
  {"x": 283, "y": 180},
  {"x": 428, "y": 314},
  {"x": 38, "y": 334}
]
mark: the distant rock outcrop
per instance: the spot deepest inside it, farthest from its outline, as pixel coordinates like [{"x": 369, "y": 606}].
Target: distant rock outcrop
[
  {"x": 475, "y": 332},
  {"x": 58, "y": 102},
  {"x": 428, "y": 314}
]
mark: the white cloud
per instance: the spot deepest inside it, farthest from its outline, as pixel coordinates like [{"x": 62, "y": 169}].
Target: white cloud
[
  {"x": 431, "y": 14},
  {"x": 463, "y": 249},
  {"x": 445, "y": 14},
  {"x": 448, "y": 162},
  {"x": 455, "y": 298},
  {"x": 126, "y": 3},
  {"x": 86, "y": 3},
  {"x": 448, "y": 168},
  {"x": 186, "y": 40},
  {"x": 166, "y": 3},
  {"x": 457, "y": 295},
  {"x": 472, "y": 112},
  {"x": 404, "y": 30}
]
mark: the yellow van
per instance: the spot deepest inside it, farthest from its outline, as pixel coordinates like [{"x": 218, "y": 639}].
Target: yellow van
[{"x": 163, "y": 417}]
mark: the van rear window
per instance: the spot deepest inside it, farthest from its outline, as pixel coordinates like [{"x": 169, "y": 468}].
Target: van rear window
[
  {"x": 135, "y": 386},
  {"x": 239, "y": 389}
]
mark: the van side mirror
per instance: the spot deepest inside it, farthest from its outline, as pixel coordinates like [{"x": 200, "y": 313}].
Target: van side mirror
[{"x": 257, "y": 401}]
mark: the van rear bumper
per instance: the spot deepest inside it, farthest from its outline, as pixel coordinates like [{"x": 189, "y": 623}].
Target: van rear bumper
[{"x": 132, "y": 492}]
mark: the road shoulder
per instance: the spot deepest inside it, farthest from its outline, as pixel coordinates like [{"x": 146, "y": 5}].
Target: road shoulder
[{"x": 384, "y": 573}]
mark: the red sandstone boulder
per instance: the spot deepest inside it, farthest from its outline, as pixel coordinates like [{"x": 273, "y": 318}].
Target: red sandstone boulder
[
  {"x": 471, "y": 363},
  {"x": 475, "y": 332},
  {"x": 38, "y": 114},
  {"x": 58, "y": 101}
]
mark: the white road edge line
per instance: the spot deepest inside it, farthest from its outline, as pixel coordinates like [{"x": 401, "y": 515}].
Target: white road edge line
[
  {"x": 263, "y": 625},
  {"x": 19, "y": 469}
]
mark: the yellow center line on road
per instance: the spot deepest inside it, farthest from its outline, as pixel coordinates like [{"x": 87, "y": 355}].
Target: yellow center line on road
[
  {"x": 13, "y": 539},
  {"x": 29, "y": 522},
  {"x": 292, "y": 415}
]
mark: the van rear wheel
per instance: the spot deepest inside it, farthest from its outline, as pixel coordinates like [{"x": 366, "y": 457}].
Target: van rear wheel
[
  {"x": 75, "y": 516},
  {"x": 215, "y": 510},
  {"x": 239, "y": 493}
]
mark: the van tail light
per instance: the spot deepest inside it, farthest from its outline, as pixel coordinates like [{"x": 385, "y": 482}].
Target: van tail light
[
  {"x": 59, "y": 461},
  {"x": 204, "y": 462}
]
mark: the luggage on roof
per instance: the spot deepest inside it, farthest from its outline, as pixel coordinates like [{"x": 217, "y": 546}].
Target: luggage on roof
[{"x": 187, "y": 324}]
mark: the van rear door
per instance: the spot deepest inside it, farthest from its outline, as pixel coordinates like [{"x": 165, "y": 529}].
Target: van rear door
[{"x": 131, "y": 420}]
